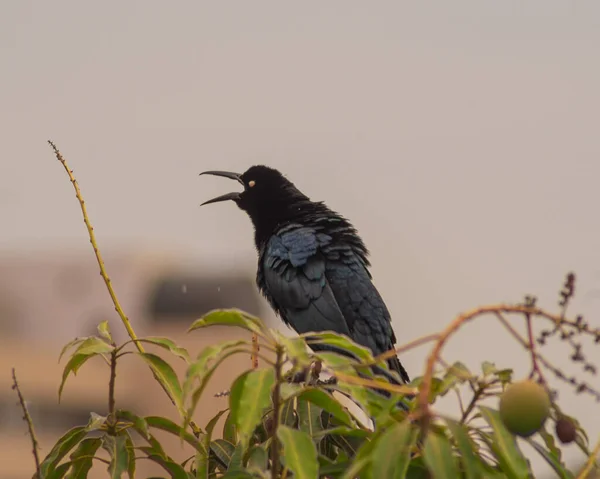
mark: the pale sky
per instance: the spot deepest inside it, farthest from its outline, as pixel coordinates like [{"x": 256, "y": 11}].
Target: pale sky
[{"x": 460, "y": 137}]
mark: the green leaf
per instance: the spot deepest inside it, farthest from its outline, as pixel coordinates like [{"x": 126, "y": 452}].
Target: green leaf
[
  {"x": 504, "y": 446},
  {"x": 95, "y": 423},
  {"x": 488, "y": 368},
  {"x": 458, "y": 373},
  {"x": 327, "y": 402},
  {"x": 287, "y": 414},
  {"x": 204, "y": 371},
  {"x": 67, "y": 442},
  {"x": 391, "y": 455},
  {"x": 309, "y": 418},
  {"x": 104, "y": 331},
  {"x": 69, "y": 345},
  {"x": 119, "y": 455},
  {"x": 131, "y": 453},
  {"x": 174, "y": 469},
  {"x": 93, "y": 345},
  {"x": 203, "y": 454},
  {"x": 467, "y": 449},
  {"x": 339, "y": 341},
  {"x": 229, "y": 317},
  {"x": 139, "y": 424},
  {"x": 296, "y": 351},
  {"x": 166, "y": 375},
  {"x": 438, "y": 456},
  {"x": 169, "y": 345},
  {"x": 164, "y": 424},
  {"x": 258, "y": 458},
  {"x": 59, "y": 472},
  {"x": 230, "y": 429},
  {"x": 223, "y": 450},
  {"x": 552, "y": 460},
  {"x": 250, "y": 395},
  {"x": 200, "y": 367},
  {"x": 82, "y": 458},
  {"x": 76, "y": 361},
  {"x": 300, "y": 453}
]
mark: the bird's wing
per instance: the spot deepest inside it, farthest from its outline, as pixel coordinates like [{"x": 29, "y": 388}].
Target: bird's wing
[
  {"x": 361, "y": 304},
  {"x": 292, "y": 277}
]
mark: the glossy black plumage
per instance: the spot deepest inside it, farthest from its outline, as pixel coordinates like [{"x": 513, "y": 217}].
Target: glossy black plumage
[{"x": 312, "y": 265}]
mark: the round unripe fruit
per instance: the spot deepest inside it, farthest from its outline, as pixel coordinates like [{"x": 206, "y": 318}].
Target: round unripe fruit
[
  {"x": 524, "y": 407},
  {"x": 565, "y": 430}
]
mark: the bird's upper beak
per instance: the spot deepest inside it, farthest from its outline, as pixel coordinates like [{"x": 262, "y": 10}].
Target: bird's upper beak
[{"x": 229, "y": 196}]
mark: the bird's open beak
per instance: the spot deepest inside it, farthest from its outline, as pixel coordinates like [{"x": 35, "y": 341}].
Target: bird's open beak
[{"x": 229, "y": 196}]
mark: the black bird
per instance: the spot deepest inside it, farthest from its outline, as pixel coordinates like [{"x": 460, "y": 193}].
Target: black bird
[{"x": 312, "y": 265}]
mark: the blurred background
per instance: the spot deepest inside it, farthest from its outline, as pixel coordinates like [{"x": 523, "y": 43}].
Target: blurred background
[{"x": 461, "y": 138}]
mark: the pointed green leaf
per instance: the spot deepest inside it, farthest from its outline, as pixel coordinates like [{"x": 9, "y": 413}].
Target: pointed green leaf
[
  {"x": 131, "y": 453},
  {"x": 250, "y": 395},
  {"x": 82, "y": 458},
  {"x": 552, "y": 460},
  {"x": 229, "y": 317},
  {"x": 174, "y": 469},
  {"x": 93, "y": 346},
  {"x": 504, "y": 446},
  {"x": 339, "y": 341},
  {"x": 207, "y": 374},
  {"x": 309, "y": 418},
  {"x": 230, "y": 429},
  {"x": 166, "y": 375},
  {"x": 76, "y": 361},
  {"x": 207, "y": 358},
  {"x": 104, "y": 331},
  {"x": 69, "y": 345},
  {"x": 203, "y": 454},
  {"x": 327, "y": 402},
  {"x": 458, "y": 373},
  {"x": 467, "y": 449},
  {"x": 95, "y": 423},
  {"x": 287, "y": 414},
  {"x": 67, "y": 442},
  {"x": 296, "y": 351},
  {"x": 139, "y": 424},
  {"x": 438, "y": 456},
  {"x": 59, "y": 472},
  {"x": 300, "y": 453},
  {"x": 488, "y": 368},
  {"x": 169, "y": 345},
  {"x": 116, "y": 446},
  {"x": 391, "y": 455},
  {"x": 164, "y": 424},
  {"x": 223, "y": 450},
  {"x": 258, "y": 458}
]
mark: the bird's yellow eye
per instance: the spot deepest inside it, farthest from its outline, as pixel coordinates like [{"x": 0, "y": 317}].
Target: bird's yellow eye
[{"x": 251, "y": 183}]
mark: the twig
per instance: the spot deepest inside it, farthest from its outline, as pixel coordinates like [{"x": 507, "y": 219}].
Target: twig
[
  {"x": 590, "y": 463},
  {"x": 255, "y": 350},
  {"x": 111, "y": 383},
  {"x": 476, "y": 395},
  {"x": 535, "y": 368},
  {"x": 104, "y": 274},
  {"x": 453, "y": 327},
  {"x": 276, "y": 406},
  {"x": 405, "y": 347},
  {"x": 27, "y": 419},
  {"x": 358, "y": 381}
]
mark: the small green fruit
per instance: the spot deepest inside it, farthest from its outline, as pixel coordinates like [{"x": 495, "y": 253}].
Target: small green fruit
[{"x": 524, "y": 407}]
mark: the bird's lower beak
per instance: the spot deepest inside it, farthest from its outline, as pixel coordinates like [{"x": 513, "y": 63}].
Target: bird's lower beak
[{"x": 229, "y": 196}]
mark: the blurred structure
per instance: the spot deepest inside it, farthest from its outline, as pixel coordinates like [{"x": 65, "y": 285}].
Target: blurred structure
[{"x": 51, "y": 297}]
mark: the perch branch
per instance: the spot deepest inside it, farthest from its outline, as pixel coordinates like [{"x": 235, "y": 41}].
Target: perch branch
[
  {"x": 453, "y": 327},
  {"x": 103, "y": 273},
  {"x": 27, "y": 419}
]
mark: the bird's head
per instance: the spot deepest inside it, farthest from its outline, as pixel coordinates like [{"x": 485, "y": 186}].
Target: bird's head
[{"x": 268, "y": 197}]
